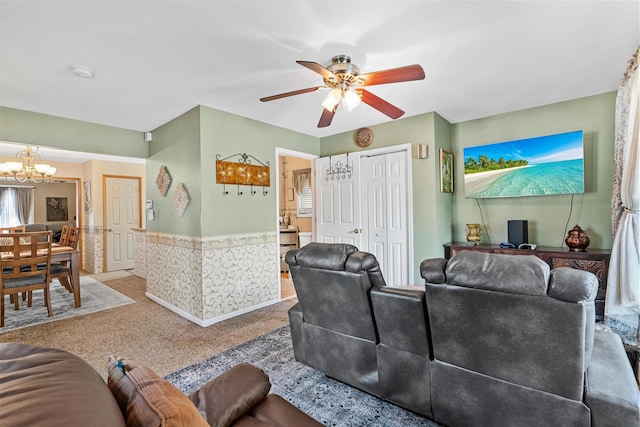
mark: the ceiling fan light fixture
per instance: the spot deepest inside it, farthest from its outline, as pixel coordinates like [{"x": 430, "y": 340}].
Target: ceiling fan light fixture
[
  {"x": 332, "y": 99},
  {"x": 350, "y": 100}
]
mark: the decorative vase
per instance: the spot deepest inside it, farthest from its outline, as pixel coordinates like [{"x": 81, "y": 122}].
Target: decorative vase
[
  {"x": 577, "y": 239},
  {"x": 473, "y": 232}
]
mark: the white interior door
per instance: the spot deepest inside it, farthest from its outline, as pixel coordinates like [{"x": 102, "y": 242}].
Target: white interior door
[
  {"x": 385, "y": 224},
  {"x": 338, "y": 200},
  {"x": 122, "y": 214}
]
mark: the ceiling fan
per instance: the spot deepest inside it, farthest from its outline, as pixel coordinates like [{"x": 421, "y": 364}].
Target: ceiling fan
[{"x": 346, "y": 82}]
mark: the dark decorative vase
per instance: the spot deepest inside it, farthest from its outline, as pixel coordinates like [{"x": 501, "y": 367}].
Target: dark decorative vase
[{"x": 577, "y": 239}]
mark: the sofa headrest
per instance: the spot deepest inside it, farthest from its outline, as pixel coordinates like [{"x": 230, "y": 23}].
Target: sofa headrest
[
  {"x": 337, "y": 257},
  {"x": 432, "y": 270},
  {"x": 326, "y": 256},
  {"x": 516, "y": 274},
  {"x": 573, "y": 285}
]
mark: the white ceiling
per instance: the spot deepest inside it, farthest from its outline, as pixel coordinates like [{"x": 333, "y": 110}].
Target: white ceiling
[{"x": 154, "y": 60}]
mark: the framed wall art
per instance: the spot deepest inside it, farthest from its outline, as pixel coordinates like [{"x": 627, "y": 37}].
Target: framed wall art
[
  {"x": 180, "y": 199},
  {"x": 446, "y": 171},
  {"x": 57, "y": 209},
  {"x": 87, "y": 196},
  {"x": 163, "y": 180}
]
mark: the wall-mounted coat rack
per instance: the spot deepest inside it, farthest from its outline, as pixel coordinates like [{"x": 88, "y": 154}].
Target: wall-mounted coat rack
[{"x": 242, "y": 172}]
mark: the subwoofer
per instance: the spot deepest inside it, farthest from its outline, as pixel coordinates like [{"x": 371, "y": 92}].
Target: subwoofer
[{"x": 518, "y": 231}]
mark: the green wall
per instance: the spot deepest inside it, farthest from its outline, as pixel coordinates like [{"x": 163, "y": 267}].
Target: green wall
[
  {"x": 31, "y": 128},
  {"x": 226, "y": 134},
  {"x": 176, "y": 146},
  {"x": 547, "y": 215},
  {"x": 188, "y": 146},
  {"x": 432, "y": 210}
]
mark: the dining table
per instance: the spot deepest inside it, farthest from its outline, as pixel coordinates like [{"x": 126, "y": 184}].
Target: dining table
[{"x": 72, "y": 256}]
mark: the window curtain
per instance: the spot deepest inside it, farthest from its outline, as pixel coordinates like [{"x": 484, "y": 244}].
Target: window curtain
[
  {"x": 24, "y": 199},
  {"x": 623, "y": 288},
  {"x": 5, "y": 215},
  {"x": 301, "y": 179}
]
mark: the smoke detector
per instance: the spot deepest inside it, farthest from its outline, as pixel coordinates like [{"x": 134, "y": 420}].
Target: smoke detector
[{"x": 82, "y": 72}]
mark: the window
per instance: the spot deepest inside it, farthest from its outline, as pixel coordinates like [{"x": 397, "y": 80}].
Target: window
[
  {"x": 8, "y": 208},
  {"x": 305, "y": 202},
  {"x": 16, "y": 206},
  {"x": 302, "y": 184}
]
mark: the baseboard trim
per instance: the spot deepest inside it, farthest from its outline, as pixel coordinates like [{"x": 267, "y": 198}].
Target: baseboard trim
[{"x": 213, "y": 320}]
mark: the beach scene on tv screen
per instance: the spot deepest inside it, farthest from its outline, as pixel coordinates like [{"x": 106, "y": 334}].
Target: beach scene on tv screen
[{"x": 540, "y": 166}]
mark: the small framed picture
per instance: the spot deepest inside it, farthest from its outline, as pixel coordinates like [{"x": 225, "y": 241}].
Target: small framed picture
[
  {"x": 87, "y": 197},
  {"x": 290, "y": 194},
  {"x": 446, "y": 171}
]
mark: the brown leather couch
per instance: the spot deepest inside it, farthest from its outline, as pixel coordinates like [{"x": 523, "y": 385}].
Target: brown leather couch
[{"x": 46, "y": 386}]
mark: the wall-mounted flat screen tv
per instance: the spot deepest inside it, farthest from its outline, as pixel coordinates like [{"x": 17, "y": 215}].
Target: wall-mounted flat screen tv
[{"x": 540, "y": 166}]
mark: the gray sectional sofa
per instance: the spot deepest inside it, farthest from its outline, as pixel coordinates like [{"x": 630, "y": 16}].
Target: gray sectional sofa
[
  {"x": 56, "y": 228},
  {"x": 492, "y": 340}
]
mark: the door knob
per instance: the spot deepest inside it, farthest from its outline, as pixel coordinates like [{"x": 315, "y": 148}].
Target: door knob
[
  {"x": 356, "y": 230},
  {"x": 109, "y": 230}
]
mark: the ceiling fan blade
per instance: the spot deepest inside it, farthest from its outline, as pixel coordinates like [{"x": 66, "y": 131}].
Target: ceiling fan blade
[
  {"x": 394, "y": 75},
  {"x": 294, "y": 92},
  {"x": 326, "y": 117},
  {"x": 314, "y": 66},
  {"x": 379, "y": 104}
]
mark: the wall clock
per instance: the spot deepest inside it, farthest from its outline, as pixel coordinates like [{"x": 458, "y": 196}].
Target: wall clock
[{"x": 363, "y": 137}]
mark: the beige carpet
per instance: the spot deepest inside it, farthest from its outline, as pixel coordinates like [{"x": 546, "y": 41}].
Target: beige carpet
[{"x": 147, "y": 331}]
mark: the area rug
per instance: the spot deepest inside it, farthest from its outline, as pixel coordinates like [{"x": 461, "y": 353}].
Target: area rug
[
  {"x": 94, "y": 297},
  {"x": 328, "y": 401}
]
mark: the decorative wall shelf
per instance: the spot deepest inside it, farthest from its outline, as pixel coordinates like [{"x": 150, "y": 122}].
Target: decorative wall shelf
[{"x": 242, "y": 172}]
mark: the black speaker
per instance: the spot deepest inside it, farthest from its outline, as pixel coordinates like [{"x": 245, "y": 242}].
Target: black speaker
[{"x": 518, "y": 231}]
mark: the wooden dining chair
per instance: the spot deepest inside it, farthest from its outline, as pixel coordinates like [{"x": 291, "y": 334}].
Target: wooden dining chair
[
  {"x": 18, "y": 229},
  {"x": 64, "y": 235},
  {"x": 61, "y": 270},
  {"x": 73, "y": 235},
  {"x": 20, "y": 262}
]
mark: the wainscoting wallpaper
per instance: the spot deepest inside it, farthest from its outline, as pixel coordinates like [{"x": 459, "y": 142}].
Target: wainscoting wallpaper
[
  {"x": 213, "y": 278},
  {"x": 140, "y": 253},
  {"x": 93, "y": 249}
]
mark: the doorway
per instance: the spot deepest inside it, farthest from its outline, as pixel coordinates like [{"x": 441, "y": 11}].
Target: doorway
[
  {"x": 294, "y": 220},
  {"x": 122, "y": 213}
]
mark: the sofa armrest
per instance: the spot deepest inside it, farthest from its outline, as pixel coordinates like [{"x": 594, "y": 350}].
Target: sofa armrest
[
  {"x": 295, "y": 322},
  {"x": 229, "y": 396},
  {"x": 611, "y": 392},
  {"x": 391, "y": 308}
]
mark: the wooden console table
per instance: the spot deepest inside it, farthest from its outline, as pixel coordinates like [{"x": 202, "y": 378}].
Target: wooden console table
[{"x": 595, "y": 261}]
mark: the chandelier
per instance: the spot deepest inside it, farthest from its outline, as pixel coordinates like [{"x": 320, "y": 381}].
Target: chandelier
[{"x": 28, "y": 168}]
